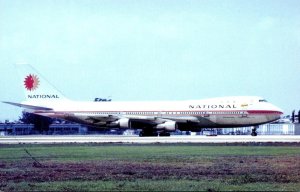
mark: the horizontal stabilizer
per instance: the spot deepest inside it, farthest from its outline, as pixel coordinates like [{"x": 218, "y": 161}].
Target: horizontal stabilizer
[{"x": 28, "y": 106}]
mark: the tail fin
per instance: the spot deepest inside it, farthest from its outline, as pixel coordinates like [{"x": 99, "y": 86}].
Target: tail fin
[{"x": 36, "y": 87}]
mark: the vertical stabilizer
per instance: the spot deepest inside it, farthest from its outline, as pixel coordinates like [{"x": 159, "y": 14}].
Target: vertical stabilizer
[{"x": 35, "y": 86}]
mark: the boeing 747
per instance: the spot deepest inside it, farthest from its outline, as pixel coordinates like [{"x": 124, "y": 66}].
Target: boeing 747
[{"x": 153, "y": 118}]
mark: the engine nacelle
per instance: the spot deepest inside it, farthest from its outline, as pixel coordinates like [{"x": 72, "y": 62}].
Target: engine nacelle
[
  {"x": 168, "y": 126},
  {"x": 121, "y": 123}
]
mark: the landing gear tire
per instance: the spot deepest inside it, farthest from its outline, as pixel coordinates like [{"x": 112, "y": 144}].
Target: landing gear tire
[
  {"x": 163, "y": 134},
  {"x": 148, "y": 134},
  {"x": 254, "y": 133}
]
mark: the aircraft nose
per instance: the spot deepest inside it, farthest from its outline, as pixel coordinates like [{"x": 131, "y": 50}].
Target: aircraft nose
[{"x": 277, "y": 109}]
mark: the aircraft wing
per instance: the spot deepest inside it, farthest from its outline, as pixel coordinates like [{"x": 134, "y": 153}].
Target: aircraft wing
[
  {"x": 136, "y": 121},
  {"x": 110, "y": 118}
]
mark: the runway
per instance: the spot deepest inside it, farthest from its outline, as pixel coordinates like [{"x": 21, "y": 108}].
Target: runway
[{"x": 42, "y": 139}]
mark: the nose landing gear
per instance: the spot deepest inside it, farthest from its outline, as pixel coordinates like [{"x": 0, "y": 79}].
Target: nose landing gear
[{"x": 254, "y": 133}]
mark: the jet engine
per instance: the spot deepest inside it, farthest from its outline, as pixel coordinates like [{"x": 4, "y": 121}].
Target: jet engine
[
  {"x": 167, "y": 126},
  {"x": 121, "y": 123}
]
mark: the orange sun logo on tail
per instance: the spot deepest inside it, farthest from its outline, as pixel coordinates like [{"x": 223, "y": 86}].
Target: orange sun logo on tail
[{"x": 31, "y": 82}]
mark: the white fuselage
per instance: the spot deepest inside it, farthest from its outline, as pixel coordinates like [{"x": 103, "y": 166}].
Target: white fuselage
[{"x": 216, "y": 112}]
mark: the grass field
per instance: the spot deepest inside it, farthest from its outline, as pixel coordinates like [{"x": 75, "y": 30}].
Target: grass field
[{"x": 155, "y": 167}]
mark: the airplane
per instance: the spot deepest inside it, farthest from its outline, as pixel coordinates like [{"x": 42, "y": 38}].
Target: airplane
[{"x": 153, "y": 118}]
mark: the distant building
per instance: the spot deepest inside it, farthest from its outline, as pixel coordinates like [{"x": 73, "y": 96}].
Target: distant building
[
  {"x": 15, "y": 129},
  {"x": 72, "y": 128},
  {"x": 265, "y": 129},
  {"x": 28, "y": 129}
]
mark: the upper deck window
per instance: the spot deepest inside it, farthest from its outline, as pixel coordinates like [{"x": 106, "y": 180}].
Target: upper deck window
[{"x": 263, "y": 100}]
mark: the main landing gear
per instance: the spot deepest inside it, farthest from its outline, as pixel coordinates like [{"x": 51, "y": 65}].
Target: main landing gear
[
  {"x": 154, "y": 134},
  {"x": 148, "y": 134},
  {"x": 254, "y": 133},
  {"x": 164, "y": 134}
]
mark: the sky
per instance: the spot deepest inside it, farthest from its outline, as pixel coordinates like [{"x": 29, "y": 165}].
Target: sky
[{"x": 137, "y": 50}]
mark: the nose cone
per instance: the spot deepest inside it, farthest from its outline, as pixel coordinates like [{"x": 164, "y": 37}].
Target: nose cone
[
  {"x": 277, "y": 109},
  {"x": 277, "y": 112}
]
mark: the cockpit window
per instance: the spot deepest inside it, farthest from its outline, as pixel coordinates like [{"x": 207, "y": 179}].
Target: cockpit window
[{"x": 263, "y": 100}]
